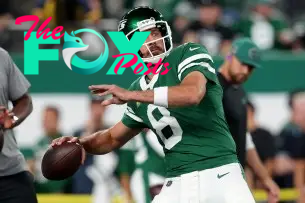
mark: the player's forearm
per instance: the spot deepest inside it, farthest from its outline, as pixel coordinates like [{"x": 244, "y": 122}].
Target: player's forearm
[
  {"x": 257, "y": 166},
  {"x": 22, "y": 109},
  {"x": 270, "y": 166},
  {"x": 125, "y": 182},
  {"x": 99, "y": 143},
  {"x": 177, "y": 96},
  {"x": 299, "y": 176}
]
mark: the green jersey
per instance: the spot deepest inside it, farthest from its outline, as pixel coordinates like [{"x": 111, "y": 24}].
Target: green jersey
[
  {"x": 264, "y": 32},
  {"x": 193, "y": 137}
]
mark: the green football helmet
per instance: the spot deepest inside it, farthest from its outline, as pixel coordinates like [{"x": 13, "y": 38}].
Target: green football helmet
[{"x": 141, "y": 19}]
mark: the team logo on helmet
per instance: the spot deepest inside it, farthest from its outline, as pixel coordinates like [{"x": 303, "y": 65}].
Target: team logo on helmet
[{"x": 122, "y": 24}]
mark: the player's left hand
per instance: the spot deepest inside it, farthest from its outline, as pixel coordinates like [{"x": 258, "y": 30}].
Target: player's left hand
[
  {"x": 119, "y": 95},
  {"x": 273, "y": 191},
  {"x": 6, "y": 118}
]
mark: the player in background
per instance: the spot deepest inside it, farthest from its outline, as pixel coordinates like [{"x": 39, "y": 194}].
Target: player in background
[
  {"x": 298, "y": 154},
  {"x": 125, "y": 168},
  {"x": 16, "y": 182},
  {"x": 184, "y": 109},
  {"x": 244, "y": 57},
  {"x": 142, "y": 167}
]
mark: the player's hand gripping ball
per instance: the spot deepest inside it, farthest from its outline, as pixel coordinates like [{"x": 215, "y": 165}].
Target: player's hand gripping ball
[{"x": 62, "y": 161}]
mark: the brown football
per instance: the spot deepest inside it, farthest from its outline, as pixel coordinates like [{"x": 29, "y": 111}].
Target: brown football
[{"x": 61, "y": 162}]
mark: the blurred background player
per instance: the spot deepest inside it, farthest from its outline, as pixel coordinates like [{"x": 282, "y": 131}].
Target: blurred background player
[
  {"x": 82, "y": 183},
  {"x": 16, "y": 182},
  {"x": 144, "y": 170},
  {"x": 244, "y": 57},
  {"x": 51, "y": 126},
  {"x": 299, "y": 157},
  {"x": 289, "y": 143},
  {"x": 209, "y": 30},
  {"x": 68, "y": 13},
  {"x": 293, "y": 145},
  {"x": 71, "y": 14},
  {"x": 126, "y": 168},
  {"x": 266, "y": 26},
  {"x": 5, "y": 20},
  {"x": 98, "y": 173},
  {"x": 264, "y": 143}
]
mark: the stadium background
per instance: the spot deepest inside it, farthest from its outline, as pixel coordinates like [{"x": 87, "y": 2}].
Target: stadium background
[{"x": 284, "y": 66}]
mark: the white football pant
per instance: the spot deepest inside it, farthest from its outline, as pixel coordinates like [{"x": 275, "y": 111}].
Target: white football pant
[{"x": 224, "y": 184}]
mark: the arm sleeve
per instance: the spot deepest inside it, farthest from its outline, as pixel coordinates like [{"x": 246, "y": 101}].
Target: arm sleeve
[
  {"x": 130, "y": 119},
  {"x": 196, "y": 58},
  {"x": 18, "y": 85}
]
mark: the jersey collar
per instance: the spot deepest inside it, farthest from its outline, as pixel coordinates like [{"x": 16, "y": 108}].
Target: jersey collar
[{"x": 148, "y": 86}]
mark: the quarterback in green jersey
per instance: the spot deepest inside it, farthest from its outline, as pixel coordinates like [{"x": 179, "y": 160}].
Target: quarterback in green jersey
[{"x": 184, "y": 109}]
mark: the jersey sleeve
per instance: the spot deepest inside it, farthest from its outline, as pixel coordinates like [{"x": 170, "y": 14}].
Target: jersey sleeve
[
  {"x": 131, "y": 120},
  {"x": 18, "y": 85},
  {"x": 130, "y": 117},
  {"x": 195, "y": 57}
]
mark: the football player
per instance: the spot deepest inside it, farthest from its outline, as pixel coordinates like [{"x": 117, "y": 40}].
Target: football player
[{"x": 184, "y": 109}]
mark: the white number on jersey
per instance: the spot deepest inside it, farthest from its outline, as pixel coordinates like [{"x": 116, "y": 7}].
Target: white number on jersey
[{"x": 166, "y": 121}]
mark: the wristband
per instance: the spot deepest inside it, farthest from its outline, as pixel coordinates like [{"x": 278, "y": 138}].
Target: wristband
[{"x": 161, "y": 96}]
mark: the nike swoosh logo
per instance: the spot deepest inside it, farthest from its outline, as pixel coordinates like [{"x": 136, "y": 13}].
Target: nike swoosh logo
[
  {"x": 192, "y": 49},
  {"x": 220, "y": 176}
]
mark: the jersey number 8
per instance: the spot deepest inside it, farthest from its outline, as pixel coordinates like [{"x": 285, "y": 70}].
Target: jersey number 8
[{"x": 166, "y": 126}]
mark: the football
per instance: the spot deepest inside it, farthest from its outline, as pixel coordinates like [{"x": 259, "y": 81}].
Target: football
[
  {"x": 61, "y": 162},
  {"x": 1, "y": 139}
]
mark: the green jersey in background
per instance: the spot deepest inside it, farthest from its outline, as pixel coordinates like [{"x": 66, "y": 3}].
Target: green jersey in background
[{"x": 143, "y": 160}]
